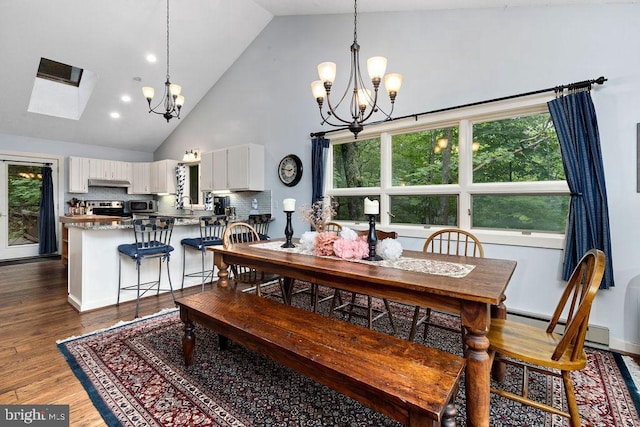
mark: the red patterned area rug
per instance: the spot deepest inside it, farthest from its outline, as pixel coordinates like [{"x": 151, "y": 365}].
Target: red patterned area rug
[{"x": 135, "y": 376}]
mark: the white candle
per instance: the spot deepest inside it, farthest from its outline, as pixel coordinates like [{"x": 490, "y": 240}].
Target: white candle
[
  {"x": 371, "y": 207},
  {"x": 289, "y": 205}
]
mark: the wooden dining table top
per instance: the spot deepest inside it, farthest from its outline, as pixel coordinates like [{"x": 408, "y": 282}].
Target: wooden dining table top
[{"x": 485, "y": 283}]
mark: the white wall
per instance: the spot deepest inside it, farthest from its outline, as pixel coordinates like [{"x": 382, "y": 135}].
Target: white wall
[{"x": 449, "y": 58}]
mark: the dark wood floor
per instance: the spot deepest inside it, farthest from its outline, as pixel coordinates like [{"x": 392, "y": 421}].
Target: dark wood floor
[{"x": 34, "y": 313}]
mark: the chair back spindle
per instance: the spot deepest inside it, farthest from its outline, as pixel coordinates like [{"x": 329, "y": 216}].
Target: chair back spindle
[{"x": 581, "y": 290}]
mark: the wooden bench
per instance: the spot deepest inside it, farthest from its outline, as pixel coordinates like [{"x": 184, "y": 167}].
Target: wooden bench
[{"x": 408, "y": 382}]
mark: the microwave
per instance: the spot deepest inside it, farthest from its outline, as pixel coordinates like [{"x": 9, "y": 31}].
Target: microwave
[{"x": 143, "y": 206}]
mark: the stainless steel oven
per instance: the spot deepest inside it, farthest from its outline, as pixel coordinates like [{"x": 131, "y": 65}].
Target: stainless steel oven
[
  {"x": 106, "y": 207},
  {"x": 142, "y": 206}
]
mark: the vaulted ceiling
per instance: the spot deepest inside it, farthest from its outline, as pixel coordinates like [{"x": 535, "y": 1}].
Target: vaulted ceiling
[{"x": 112, "y": 39}]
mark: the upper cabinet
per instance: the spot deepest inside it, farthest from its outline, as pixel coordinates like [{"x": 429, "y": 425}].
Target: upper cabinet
[
  {"x": 145, "y": 178},
  {"x": 213, "y": 170},
  {"x": 109, "y": 170},
  {"x": 78, "y": 175},
  {"x": 245, "y": 167},
  {"x": 140, "y": 178},
  {"x": 239, "y": 168},
  {"x": 163, "y": 177}
]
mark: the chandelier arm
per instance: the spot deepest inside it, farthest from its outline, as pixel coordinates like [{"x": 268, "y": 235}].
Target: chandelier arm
[
  {"x": 326, "y": 120},
  {"x": 332, "y": 108}
]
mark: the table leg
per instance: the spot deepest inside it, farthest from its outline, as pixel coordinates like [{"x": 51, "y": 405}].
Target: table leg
[
  {"x": 287, "y": 289},
  {"x": 475, "y": 319},
  {"x": 499, "y": 369},
  {"x": 189, "y": 338},
  {"x": 223, "y": 270}
]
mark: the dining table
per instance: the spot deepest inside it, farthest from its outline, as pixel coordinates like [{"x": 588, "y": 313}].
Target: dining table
[{"x": 473, "y": 287}]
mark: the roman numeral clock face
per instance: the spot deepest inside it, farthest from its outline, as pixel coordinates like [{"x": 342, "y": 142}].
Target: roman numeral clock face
[{"x": 290, "y": 170}]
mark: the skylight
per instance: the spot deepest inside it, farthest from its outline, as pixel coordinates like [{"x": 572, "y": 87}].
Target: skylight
[
  {"x": 59, "y": 72},
  {"x": 61, "y": 90}
]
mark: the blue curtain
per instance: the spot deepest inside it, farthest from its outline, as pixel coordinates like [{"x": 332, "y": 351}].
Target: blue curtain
[
  {"x": 319, "y": 147},
  {"x": 47, "y": 222},
  {"x": 574, "y": 118}
]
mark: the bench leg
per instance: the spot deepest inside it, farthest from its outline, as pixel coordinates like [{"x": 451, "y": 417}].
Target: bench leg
[
  {"x": 223, "y": 342},
  {"x": 188, "y": 343},
  {"x": 449, "y": 416}
]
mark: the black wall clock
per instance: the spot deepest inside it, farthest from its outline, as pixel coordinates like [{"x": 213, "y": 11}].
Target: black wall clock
[{"x": 290, "y": 170}]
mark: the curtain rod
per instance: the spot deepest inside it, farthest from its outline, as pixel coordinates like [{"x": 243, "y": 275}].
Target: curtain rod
[
  {"x": 27, "y": 163},
  {"x": 571, "y": 86}
]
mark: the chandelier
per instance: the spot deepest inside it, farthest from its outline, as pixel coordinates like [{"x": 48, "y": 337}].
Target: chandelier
[
  {"x": 171, "y": 100},
  {"x": 362, "y": 103}
]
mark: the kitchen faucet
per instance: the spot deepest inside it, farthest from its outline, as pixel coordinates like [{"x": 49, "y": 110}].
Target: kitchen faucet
[{"x": 190, "y": 204}]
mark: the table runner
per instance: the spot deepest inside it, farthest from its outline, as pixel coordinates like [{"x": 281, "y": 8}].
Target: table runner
[{"x": 440, "y": 268}]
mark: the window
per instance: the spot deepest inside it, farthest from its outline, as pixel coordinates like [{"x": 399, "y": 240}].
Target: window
[
  {"x": 494, "y": 169},
  {"x": 191, "y": 188}
]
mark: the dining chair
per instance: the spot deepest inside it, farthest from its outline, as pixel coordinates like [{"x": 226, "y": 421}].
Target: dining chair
[
  {"x": 211, "y": 232},
  {"x": 260, "y": 223},
  {"x": 241, "y": 232},
  {"x": 313, "y": 290},
  {"x": 557, "y": 350},
  {"x": 372, "y": 313},
  {"x": 152, "y": 240},
  {"x": 450, "y": 241}
]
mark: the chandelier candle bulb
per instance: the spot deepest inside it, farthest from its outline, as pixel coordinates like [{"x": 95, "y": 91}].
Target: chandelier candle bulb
[
  {"x": 289, "y": 205},
  {"x": 371, "y": 207}
]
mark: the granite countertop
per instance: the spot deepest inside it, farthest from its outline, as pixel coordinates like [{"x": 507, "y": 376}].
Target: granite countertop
[{"x": 123, "y": 224}]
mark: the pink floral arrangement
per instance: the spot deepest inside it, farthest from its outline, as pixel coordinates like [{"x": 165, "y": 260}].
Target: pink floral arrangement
[
  {"x": 351, "y": 249},
  {"x": 323, "y": 245}
]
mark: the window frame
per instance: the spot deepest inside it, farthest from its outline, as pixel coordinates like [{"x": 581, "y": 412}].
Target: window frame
[{"x": 464, "y": 118}]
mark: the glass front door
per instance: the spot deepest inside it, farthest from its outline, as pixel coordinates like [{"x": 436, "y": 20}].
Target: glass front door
[{"x": 19, "y": 208}]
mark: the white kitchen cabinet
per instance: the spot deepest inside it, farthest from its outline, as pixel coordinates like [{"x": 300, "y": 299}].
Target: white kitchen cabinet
[
  {"x": 78, "y": 175},
  {"x": 206, "y": 171},
  {"x": 121, "y": 171},
  {"x": 109, "y": 170},
  {"x": 245, "y": 167},
  {"x": 140, "y": 178},
  {"x": 163, "y": 177},
  {"x": 97, "y": 168},
  {"x": 213, "y": 170}
]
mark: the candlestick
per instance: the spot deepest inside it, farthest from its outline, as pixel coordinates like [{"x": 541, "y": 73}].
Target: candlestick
[
  {"x": 372, "y": 239},
  {"x": 288, "y": 231},
  {"x": 289, "y": 205},
  {"x": 371, "y": 207}
]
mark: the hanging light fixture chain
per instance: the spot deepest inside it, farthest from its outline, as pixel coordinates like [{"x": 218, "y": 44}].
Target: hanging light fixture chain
[
  {"x": 167, "y": 40},
  {"x": 355, "y": 21}
]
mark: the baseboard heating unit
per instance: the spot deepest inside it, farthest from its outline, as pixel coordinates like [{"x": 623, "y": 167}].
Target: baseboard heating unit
[{"x": 595, "y": 334}]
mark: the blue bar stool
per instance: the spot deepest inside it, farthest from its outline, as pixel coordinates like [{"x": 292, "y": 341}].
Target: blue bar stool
[
  {"x": 153, "y": 237},
  {"x": 260, "y": 223},
  {"x": 211, "y": 231}
]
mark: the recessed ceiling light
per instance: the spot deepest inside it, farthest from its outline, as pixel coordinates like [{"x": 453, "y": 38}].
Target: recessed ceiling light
[
  {"x": 115, "y": 115},
  {"x": 125, "y": 98},
  {"x": 151, "y": 58}
]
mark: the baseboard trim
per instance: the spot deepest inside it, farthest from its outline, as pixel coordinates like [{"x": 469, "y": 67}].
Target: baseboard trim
[{"x": 596, "y": 334}]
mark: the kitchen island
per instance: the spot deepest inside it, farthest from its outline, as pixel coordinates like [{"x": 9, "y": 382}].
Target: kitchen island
[
  {"x": 68, "y": 219},
  {"x": 93, "y": 261}
]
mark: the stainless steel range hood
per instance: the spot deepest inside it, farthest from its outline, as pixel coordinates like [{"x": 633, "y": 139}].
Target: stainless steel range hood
[{"x": 108, "y": 183}]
